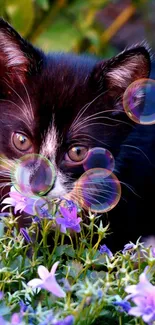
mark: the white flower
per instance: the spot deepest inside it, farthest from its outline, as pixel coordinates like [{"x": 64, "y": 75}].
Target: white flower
[{"x": 47, "y": 281}]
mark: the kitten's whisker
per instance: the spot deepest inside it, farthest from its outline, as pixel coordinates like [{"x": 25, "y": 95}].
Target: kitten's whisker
[
  {"x": 93, "y": 115},
  {"x": 3, "y": 196},
  {"x": 89, "y": 136},
  {"x": 4, "y": 179},
  {"x": 17, "y": 117},
  {"x": 29, "y": 100},
  {"x": 28, "y": 113},
  {"x": 99, "y": 123},
  {"x": 11, "y": 102},
  {"x": 85, "y": 107},
  {"x": 3, "y": 185},
  {"x": 88, "y": 197},
  {"x": 130, "y": 188},
  {"x": 137, "y": 148},
  {"x": 100, "y": 117}
]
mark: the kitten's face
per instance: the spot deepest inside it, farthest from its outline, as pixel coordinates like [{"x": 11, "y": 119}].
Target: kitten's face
[{"x": 61, "y": 105}]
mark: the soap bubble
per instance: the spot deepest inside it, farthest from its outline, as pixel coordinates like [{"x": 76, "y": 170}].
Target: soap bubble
[
  {"x": 139, "y": 101},
  {"x": 98, "y": 190},
  {"x": 42, "y": 208},
  {"x": 99, "y": 158},
  {"x": 33, "y": 175}
]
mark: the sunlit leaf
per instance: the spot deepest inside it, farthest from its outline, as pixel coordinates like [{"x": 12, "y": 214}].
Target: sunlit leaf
[
  {"x": 43, "y": 4},
  {"x": 62, "y": 35},
  {"x": 21, "y": 15}
]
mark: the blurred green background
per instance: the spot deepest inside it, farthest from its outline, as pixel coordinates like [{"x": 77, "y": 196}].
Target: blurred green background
[{"x": 100, "y": 27}]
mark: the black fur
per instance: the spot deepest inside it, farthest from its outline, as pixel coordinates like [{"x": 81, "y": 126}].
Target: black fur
[{"x": 59, "y": 85}]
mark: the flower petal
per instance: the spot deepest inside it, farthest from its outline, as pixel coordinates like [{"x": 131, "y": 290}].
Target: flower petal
[
  {"x": 43, "y": 272},
  {"x": 131, "y": 289},
  {"x": 59, "y": 220},
  {"x": 65, "y": 212},
  {"x": 51, "y": 285},
  {"x": 53, "y": 269},
  {"x": 9, "y": 200},
  {"x": 35, "y": 283},
  {"x": 19, "y": 206},
  {"x": 4, "y": 208},
  {"x": 76, "y": 228},
  {"x": 63, "y": 229},
  {"x": 135, "y": 311},
  {"x": 148, "y": 318},
  {"x": 29, "y": 209}
]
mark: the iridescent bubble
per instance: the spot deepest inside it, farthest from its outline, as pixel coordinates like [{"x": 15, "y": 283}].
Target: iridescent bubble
[
  {"x": 139, "y": 101},
  {"x": 42, "y": 208},
  {"x": 33, "y": 175},
  {"x": 98, "y": 190},
  {"x": 99, "y": 158}
]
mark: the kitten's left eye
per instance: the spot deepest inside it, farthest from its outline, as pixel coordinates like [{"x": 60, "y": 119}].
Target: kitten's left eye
[
  {"x": 21, "y": 142},
  {"x": 78, "y": 153}
]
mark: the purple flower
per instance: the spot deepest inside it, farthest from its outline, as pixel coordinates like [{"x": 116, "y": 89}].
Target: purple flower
[
  {"x": 143, "y": 295},
  {"x": 69, "y": 320},
  {"x": 47, "y": 281},
  {"x": 66, "y": 284},
  {"x": 25, "y": 235},
  {"x": 105, "y": 250},
  {"x": 20, "y": 202},
  {"x": 15, "y": 319},
  {"x": 69, "y": 219},
  {"x": 128, "y": 247},
  {"x": 2, "y": 321},
  {"x": 99, "y": 293},
  {"x": 4, "y": 214},
  {"x": 153, "y": 251},
  {"x": 41, "y": 208},
  {"x": 23, "y": 307},
  {"x": 123, "y": 304}
]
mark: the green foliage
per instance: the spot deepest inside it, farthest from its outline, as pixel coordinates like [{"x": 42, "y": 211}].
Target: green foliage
[
  {"x": 57, "y": 25},
  {"x": 92, "y": 280},
  {"x": 61, "y": 25},
  {"x": 21, "y": 15}
]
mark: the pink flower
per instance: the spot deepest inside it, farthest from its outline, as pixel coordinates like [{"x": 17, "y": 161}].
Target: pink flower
[
  {"x": 143, "y": 295},
  {"x": 47, "y": 281},
  {"x": 20, "y": 202}
]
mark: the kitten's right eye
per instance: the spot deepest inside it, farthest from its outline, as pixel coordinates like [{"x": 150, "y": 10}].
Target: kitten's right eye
[
  {"x": 77, "y": 154},
  {"x": 21, "y": 142}
]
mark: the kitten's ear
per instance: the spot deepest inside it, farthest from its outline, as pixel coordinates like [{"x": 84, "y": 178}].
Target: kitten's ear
[
  {"x": 119, "y": 72},
  {"x": 17, "y": 56}
]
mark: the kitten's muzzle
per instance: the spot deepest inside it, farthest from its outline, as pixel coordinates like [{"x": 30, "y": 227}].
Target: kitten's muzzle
[{"x": 34, "y": 175}]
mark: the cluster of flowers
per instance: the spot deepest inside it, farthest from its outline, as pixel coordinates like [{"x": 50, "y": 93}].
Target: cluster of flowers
[
  {"x": 138, "y": 299},
  {"x": 66, "y": 217}
]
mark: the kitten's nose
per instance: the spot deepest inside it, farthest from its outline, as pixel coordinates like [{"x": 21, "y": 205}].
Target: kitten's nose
[{"x": 34, "y": 175}]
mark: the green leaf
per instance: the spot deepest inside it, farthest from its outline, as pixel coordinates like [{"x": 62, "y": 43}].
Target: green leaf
[
  {"x": 62, "y": 35},
  {"x": 21, "y": 15},
  {"x": 2, "y": 7},
  {"x": 65, "y": 249},
  {"x": 43, "y": 4},
  {"x": 4, "y": 310},
  {"x": 2, "y": 225}
]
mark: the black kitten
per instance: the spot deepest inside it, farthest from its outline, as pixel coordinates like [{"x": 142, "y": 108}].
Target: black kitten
[{"x": 60, "y": 105}]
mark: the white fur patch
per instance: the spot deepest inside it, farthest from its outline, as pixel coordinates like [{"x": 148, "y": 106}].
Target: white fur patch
[
  {"x": 13, "y": 55},
  {"x": 59, "y": 189},
  {"x": 126, "y": 72},
  {"x": 50, "y": 144},
  {"x": 49, "y": 149}
]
